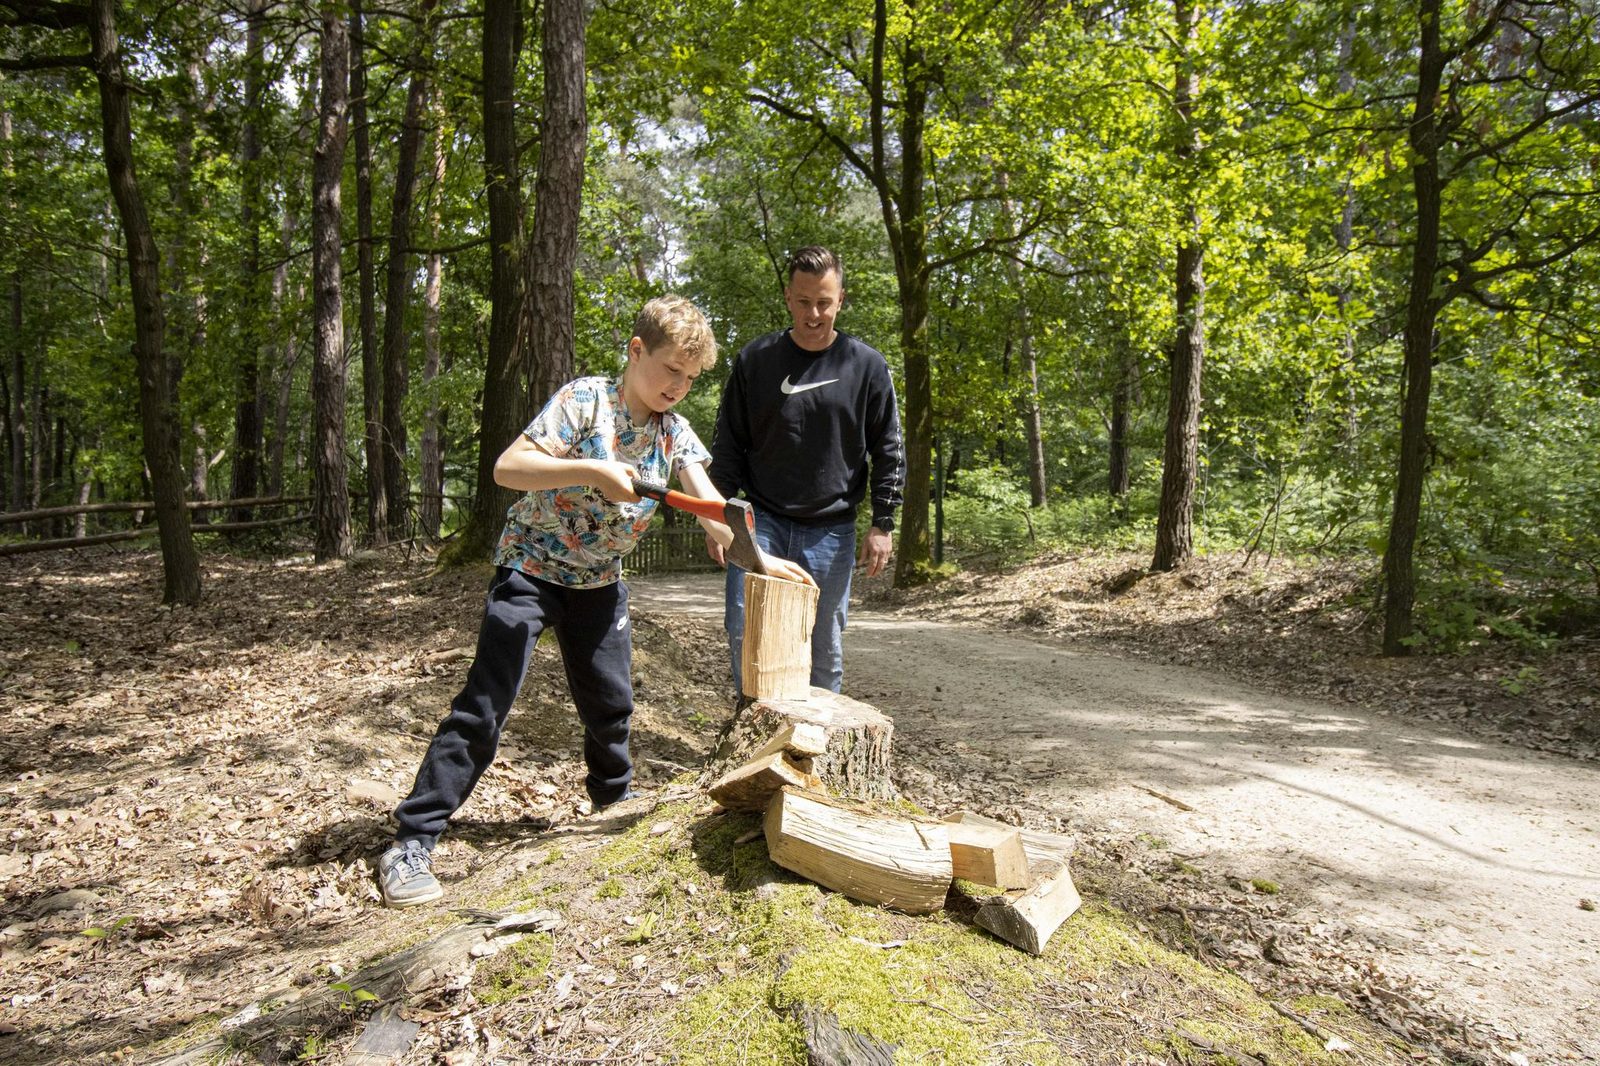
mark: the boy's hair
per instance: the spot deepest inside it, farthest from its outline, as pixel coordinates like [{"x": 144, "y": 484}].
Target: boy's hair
[
  {"x": 815, "y": 259},
  {"x": 673, "y": 319}
]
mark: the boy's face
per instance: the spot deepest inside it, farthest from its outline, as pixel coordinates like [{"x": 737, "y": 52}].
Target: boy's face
[
  {"x": 813, "y": 301},
  {"x": 657, "y": 380}
]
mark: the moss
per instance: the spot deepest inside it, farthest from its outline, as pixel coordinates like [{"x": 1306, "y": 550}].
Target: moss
[
  {"x": 700, "y": 1031},
  {"x": 516, "y": 971},
  {"x": 610, "y": 889},
  {"x": 1185, "y": 868},
  {"x": 640, "y": 851},
  {"x": 1151, "y": 841},
  {"x": 1329, "y": 1006},
  {"x": 1266, "y": 888},
  {"x": 972, "y": 888}
]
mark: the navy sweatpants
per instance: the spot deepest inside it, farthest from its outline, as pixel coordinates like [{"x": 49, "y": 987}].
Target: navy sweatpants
[{"x": 596, "y": 640}]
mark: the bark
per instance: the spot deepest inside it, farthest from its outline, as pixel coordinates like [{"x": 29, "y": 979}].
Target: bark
[
  {"x": 552, "y": 254},
  {"x": 1422, "y": 312},
  {"x": 397, "y": 291},
  {"x": 371, "y": 366},
  {"x": 1180, "y": 459},
  {"x": 16, "y": 416},
  {"x": 247, "y": 399},
  {"x": 330, "y": 492},
  {"x": 505, "y": 407},
  {"x": 158, "y": 415},
  {"x": 430, "y": 506}
]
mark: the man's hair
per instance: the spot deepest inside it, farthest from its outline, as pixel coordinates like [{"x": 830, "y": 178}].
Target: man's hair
[
  {"x": 673, "y": 319},
  {"x": 815, "y": 259}
]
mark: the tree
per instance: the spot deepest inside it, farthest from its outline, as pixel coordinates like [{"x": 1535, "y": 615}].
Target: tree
[
  {"x": 1174, "y": 529},
  {"x": 504, "y": 409},
  {"x": 367, "y": 294},
  {"x": 330, "y": 488},
  {"x": 552, "y": 253}
]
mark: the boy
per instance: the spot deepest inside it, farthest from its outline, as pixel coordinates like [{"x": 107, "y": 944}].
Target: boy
[{"x": 559, "y": 565}]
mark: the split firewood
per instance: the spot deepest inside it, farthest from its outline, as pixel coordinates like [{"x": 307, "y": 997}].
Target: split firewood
[
  {"x": 988, "y": 855},
  {"x": 802, "y": 740},
  {"x": 858, "y": 740},
  {"x": 752, "y": 786},
  {"x": 872, "y": 857},
  {"x": 775, "y": 654},
  {"x": 1026, "y": 918}
]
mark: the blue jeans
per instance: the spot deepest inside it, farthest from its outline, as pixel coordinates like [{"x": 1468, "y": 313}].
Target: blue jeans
[{"x": 828, "y": 554}]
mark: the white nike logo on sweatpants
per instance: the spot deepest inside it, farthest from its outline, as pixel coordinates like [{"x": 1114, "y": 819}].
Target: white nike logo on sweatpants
[{"x": 790, "y": 390}]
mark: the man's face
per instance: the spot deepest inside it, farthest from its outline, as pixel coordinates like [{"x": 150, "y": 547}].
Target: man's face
[{"x": 813, "y": 301}]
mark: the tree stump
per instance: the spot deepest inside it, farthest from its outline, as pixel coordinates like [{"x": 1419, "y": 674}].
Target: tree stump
[
  {"x": 859, "y": 738},
  {"x": 775, "y": 655}
]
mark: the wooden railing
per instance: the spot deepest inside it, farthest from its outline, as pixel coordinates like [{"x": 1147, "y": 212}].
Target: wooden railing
[
  {"x": 141, "y": 509},
  {"x": 669, "y": 549}
]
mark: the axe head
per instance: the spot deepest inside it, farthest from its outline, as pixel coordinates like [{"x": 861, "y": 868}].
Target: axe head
[{"x": 739, "y": 517}]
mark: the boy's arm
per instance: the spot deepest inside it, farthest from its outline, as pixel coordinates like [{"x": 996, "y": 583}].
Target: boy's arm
[
  {"x": 527, "y": 467},
  {"x": 697, "y": 482}
]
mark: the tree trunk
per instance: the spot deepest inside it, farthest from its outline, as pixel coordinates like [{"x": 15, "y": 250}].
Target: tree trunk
[
  {"x": 16, "y": 416},
  {"x": 290, "y": 357},
  {"x": 330, "y": 491},
  {"x": 505, "y": 395},
  {"x": 1120, "y": 476},
  {"x": 552, "y": 254},
  {"x": 1180, "y": 459},
  {"x": 913, "y": 273},
  {"x": 1422, "y": 312},
  {"x": 1028, "y": 398},
  {"x": 430, "y": 505},
  {"x": 371, "y": 366},
  {"x": 157, "y": 412},
  {"x": 397, "y": 290},
  {"x": 247, "y": 400}
]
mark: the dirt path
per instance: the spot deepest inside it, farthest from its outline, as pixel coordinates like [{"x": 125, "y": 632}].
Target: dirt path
[{"x": 1459, "y": 865}]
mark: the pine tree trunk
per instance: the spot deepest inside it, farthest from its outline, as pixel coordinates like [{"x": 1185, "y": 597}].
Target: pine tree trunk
[
  {"x": 1180, "y": 458},
  {"x": 430, "y": 507},
  {"x": 371, "y": 365},
  {"x": 914, "y": 549},
  {"x": 247, "y": 401},
  {"x": 552, "y": 254},
  {"x": 397, "y": 290},
  {"x": 1120, "y": 476},
  {"x": 158, "y": 414},
  {"x": 16, "y": 437},
  {"x": 505, "y": 393},
  {"x": 330, "y": 490}
]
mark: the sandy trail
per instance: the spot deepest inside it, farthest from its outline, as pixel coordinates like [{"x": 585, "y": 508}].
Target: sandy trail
[{"x": 1459, "y": 863}]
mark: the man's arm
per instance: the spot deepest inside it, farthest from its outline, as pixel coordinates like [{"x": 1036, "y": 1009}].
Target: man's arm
[{"x": 888, "y": 471}]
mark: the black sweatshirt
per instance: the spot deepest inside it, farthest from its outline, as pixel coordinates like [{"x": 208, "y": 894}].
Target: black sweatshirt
[{"x": 797, "y": 430}]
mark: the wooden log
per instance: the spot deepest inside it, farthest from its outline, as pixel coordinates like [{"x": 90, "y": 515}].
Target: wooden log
[
  {"x": 1028, "y": 918},
  {"x": 830, "y": 1044},
  {"x": 872, "y": 857},
  {"x": 775, "y": 656},
  {"x": 803, "y": 741},
  {"x": 385, "y": 1039},
  {"x": 752, "y": 786},
  {"x": 1037, "y": 845},
  {"x": 988, "y": 855},
  {"x": 858, "y": 742}
]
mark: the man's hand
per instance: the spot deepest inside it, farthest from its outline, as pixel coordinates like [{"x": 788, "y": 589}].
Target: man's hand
[{"x": 875, "y": 551}]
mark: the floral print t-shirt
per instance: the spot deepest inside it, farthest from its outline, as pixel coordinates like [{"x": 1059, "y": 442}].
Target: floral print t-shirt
[{"x": 574, "y": 536}]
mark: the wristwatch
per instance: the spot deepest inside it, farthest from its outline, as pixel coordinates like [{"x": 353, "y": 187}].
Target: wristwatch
[{"x": 885, "y": 523}]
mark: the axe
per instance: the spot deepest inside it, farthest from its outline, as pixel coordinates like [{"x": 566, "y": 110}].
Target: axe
[{"x": 735, "y": 514}]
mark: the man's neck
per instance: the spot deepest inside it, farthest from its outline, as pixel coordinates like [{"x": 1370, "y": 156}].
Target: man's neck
[{"x": 833, "y": 338}]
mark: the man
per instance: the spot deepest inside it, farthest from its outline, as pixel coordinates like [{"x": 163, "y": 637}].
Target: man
[{"x": 807, "y": 415}]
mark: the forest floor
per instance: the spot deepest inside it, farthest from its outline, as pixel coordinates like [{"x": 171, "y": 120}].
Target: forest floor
[{"x": 192, "y": 800}]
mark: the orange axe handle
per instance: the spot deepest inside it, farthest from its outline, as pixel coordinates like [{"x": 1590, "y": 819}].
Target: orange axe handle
[{"x": 695, "y": 505}]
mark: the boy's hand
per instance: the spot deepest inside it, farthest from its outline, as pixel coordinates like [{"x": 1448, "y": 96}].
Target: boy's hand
[
  {"x": 714, "y": 550},
  {"x": 789, "y": 571},
  {"x": 614, "y": 481}
]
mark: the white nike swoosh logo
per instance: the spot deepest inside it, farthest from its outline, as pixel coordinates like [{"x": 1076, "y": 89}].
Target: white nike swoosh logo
[{"x": 790, "y": 390}]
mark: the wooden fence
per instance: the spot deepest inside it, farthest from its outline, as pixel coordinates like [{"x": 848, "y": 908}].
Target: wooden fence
[{"x": 670, "y": 550}]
